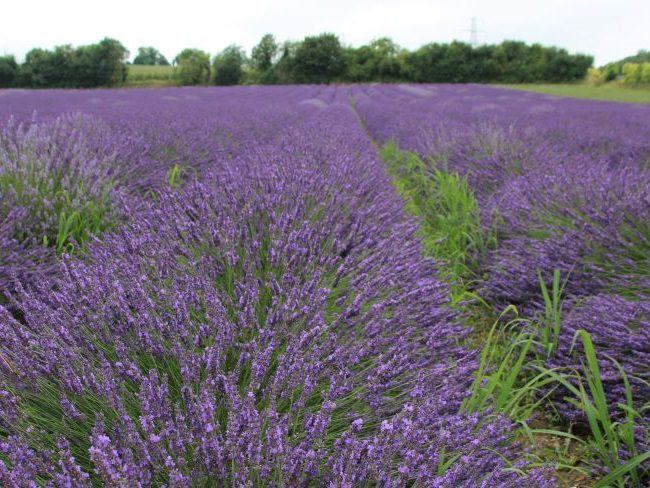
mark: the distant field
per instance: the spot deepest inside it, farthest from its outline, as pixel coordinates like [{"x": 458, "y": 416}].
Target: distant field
[
  {"x": 610, "y": 91},
  {"x": 140, "y": 75}
]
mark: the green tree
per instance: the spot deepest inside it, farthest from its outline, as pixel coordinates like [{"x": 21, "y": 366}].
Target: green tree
[
  {"x": 484, "y": 66},
  {"x": 283, "y": 69},
  {"x": 8, "y": 71},
  {"x": 386, "y": 62},
  {"x": 446, "y": 63},
  {"x": 615, "y": 69},
  {"x": 611, "y": 72},
  {"x": 150, "y": 56},
  {"x": 44, "y": 68},
  {"x": 632, "y": 72},
  {"x": 192, "y": 66},
  {"x": 562, "y": 66},
  {"x": 109, "y": 57},
  {"x": 101, "y": 64},
  {"x": 425, "y": 63},
  {"x": 642, "y": 56},
  {"x": 31, "y": 71},
  {"x": 381, "y": 60},
  {"x": 228, "y": 66},
  {"x": 264, "y": 54},
  {"x": 595, "y": 76},
  {"x": 456, "y": 65},
  {"x": 645, "y": 73},
  {"x": 514, "y": 63},
  {"x": 319, "y": 59}
]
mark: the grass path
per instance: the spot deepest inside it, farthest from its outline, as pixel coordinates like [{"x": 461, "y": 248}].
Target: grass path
[{"x": 614, "y": 92}]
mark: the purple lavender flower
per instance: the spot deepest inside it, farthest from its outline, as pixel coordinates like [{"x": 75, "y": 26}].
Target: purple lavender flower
[{"x": 270, "y": 322}]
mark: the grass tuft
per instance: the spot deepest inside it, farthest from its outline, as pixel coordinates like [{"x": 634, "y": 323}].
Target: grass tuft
[{"x": 450, "y": 220}]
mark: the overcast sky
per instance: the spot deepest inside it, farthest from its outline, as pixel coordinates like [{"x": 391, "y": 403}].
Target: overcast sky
[{"x": 607, "y": 29}]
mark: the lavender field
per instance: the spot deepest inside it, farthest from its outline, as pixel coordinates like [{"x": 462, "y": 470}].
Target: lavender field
[{"x": 367, "y": 285}]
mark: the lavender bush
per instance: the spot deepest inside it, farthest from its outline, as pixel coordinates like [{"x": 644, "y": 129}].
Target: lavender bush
[
  {"x": 620, "y": 329},
  {"x": 56, "y": 191}
]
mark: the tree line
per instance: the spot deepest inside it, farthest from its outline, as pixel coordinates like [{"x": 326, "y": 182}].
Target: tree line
[
  {"x": 315, "y": 59},
  {"x": 100, "y": 64},
  {"x": 630, "y": 70}
]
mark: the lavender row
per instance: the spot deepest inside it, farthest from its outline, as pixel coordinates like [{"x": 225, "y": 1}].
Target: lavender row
[
  {"x": 566, "y": 184},
  {"x": 98, "y": 154},
  {"x": 270, "y": 323}
]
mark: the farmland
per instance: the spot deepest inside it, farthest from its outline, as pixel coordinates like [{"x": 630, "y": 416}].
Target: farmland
[
  {"x": 613, "y": 91},
  {"x": 365, "y": 285},
  {"x": 150, "y": 76}
]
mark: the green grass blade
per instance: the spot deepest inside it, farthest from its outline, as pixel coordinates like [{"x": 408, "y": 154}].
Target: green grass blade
[{"x": 616, "y": 475}]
